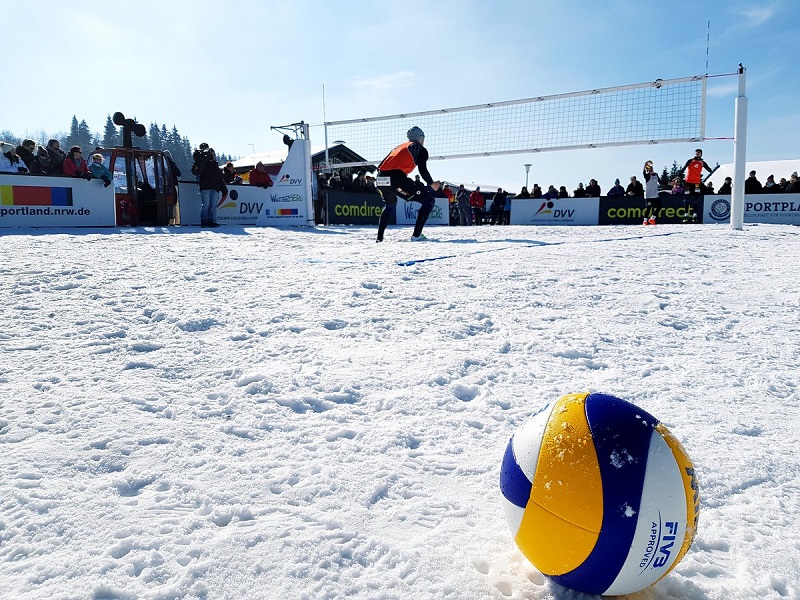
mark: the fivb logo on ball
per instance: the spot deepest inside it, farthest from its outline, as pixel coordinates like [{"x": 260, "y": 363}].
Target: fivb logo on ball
[{"x": 600, "y": 496}]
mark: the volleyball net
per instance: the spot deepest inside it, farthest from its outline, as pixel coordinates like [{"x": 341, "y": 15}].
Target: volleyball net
[{"x": 671, "y": 110}]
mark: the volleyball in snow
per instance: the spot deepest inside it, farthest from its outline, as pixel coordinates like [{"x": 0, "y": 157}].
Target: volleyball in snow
[{"x": 599, "y": 495}]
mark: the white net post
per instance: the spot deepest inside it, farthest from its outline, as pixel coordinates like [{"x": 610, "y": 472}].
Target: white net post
[{"x": 739, "y": 155}]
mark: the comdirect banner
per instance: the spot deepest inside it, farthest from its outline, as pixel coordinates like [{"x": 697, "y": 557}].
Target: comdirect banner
[
  {"x": 52, "y": 201},
  {"x": 631, "y": 210},
  {"x": 347, "y": 208}
]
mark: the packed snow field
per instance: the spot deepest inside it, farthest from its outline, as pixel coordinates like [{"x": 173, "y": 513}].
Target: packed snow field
[{"x": 303, "y": 413}]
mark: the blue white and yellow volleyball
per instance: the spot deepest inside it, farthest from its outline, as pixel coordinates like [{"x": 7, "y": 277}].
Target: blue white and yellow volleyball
[{"x": 599, "y": 495}]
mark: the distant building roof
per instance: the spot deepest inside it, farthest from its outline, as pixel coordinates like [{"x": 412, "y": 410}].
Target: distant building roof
[{"x": 338, "y": 153}]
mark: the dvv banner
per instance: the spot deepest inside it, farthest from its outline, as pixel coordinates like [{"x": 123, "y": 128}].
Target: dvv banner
[{"x": 561, "y": 211}]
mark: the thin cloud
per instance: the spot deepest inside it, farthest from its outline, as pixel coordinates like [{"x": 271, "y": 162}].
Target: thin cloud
[
  {"x": 753, "y": 15},
  {"x": 390, "y": 81}
]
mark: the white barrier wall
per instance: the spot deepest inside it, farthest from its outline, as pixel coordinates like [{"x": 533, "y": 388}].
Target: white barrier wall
[
  {"x": 290, "y": 198},
  {"x": 781, "y": 209},
  {"x": 39, "y": 201}
]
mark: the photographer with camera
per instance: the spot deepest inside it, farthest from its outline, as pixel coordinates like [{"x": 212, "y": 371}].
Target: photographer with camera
[{"x": 212, "y": 186}]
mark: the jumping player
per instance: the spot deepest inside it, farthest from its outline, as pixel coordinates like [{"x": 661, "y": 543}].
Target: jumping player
[
  {"x": 396, "y": 167},
  {"x": 694, "y": 177}
]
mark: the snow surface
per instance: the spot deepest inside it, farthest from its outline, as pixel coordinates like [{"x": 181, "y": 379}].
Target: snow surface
[{"x": 269, "y": 413}]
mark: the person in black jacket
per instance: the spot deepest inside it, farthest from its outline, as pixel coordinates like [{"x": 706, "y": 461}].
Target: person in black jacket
[
  {"x": 26, "y": 153},
  {"x": 752, "y": 185},
  {"x": 56, "y": 156},
  {"x": 212, "y": 186}
]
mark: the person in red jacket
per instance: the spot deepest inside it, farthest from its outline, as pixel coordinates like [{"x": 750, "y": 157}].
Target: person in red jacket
[
  {"x": 75, "y": 165},
  {"x": 395, "y": 168},
  {"x": 478, "y": 203},
  {"x": 260, "y": 177}
]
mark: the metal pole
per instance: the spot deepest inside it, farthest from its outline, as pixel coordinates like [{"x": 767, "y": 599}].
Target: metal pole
[
  {"x": 739, "y": 154},
  {"x": 308, "y": 175},
  {"x": 527, "y": 170}
]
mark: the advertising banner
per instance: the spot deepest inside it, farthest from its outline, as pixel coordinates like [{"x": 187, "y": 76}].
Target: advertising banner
[
  {"x": 346, "y": 208},
  {"x": 51, "y": 201},
  {"x": 629, "y": 210},
  {"x": 561, "y": 211},
  {"x": 289, "y": 199},
  {"x": 407, "y": 212},
  {"x": 243, "y": 205},
  {"x": 781, "y": 209}
]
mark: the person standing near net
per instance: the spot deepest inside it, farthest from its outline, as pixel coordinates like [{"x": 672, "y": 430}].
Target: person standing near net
[
  {"x": 393, "y": 177},
  {"x": 651, "y": 197},
  {"x": 694, "y": 177}
]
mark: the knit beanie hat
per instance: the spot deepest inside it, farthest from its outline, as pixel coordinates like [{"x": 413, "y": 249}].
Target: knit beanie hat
[{"x": 415, "y": 134}]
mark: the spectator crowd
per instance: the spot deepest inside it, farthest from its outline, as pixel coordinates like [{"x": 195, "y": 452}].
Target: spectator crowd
[{"x": 467, "y": 207}]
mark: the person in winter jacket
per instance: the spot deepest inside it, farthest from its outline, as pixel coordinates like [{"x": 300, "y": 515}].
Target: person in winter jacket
[
  {"x": 212, "y": 186},
  {"x": 752, "y": 185},
  {"x": 478, "y": 203},
  {"x": 617, "y": 190},
  {"x": 56, "y": 156},
  {"x": 9, "y": 161},
  {"x": 464, "y": 209},
  {"x": 75, "y": 165},
  {"x": 635, "y": 188},
  {"x": 99, "y": 170},
  {"x": 593, "y": 189},
  {"x": 229, "y": 174},
  {"x": 25, "y": 151},
  {"x": 580, "y": 191},
  {"x": 551, "y": 193},
  {"x": 498, "y": 206},
  {"x": 397, "y": 166},
  {"x": 652, "y": 199},
  {"x": 41, "y": 164},
  {"x": 259, "y": 176}
]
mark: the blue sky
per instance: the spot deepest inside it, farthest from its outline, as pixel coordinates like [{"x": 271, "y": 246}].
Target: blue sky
[{"x": 225, "y": 72}]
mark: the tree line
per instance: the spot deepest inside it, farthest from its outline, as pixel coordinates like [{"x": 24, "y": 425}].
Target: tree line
[{"x": 158, "y": 137}]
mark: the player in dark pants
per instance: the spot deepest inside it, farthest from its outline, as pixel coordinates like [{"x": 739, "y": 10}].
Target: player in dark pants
[
  {"x": 397, "y": 166},
  {"x": 694, "y": 171}
]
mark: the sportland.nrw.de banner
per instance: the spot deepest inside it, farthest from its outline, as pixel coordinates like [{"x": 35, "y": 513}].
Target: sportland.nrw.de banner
[
  {"x": 289, "y": 201},
  {"x": 52, "y": 201}
]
